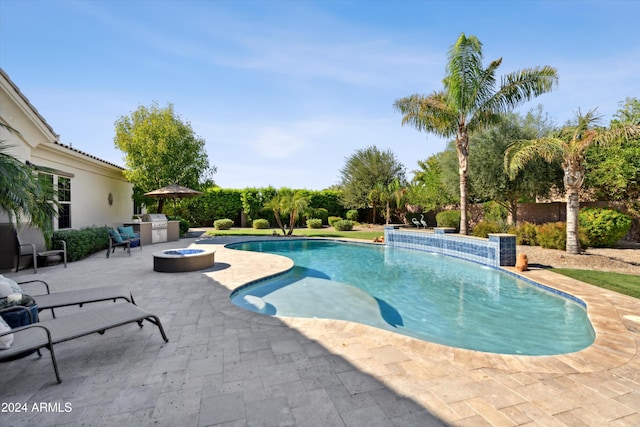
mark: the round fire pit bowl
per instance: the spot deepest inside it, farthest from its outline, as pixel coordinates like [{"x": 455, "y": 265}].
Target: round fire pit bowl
[{"x": 182, "y": 260}]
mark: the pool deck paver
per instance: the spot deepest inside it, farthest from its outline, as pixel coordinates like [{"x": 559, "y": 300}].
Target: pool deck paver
[{"x": 229, "y": 367}]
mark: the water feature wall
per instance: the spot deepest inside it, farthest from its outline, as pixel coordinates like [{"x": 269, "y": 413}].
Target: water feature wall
[{"x": 498, "y": 250}]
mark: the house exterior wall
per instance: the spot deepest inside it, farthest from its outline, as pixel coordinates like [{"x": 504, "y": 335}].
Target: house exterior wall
[{"x": 92, "y": 179}]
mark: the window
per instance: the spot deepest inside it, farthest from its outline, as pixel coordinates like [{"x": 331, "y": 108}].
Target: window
[{"x": 64, "y": 198}]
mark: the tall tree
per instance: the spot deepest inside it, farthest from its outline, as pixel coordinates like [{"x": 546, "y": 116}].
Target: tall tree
[
  {"x": 613, "y": 170},
  {"x": 160, "y": 149},
  {"x": 25, "y": 195},
  {"x": 366, "y": 173},
  {"x": 569, "y": 145},
  {"x": 470, "y": 101},
  {"x": 487, "y": 175}
]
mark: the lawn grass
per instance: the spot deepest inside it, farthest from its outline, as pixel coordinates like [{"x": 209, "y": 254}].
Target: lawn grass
[
  {"x": 627, "y": 284},
  {"x": 308, "y": 232}
]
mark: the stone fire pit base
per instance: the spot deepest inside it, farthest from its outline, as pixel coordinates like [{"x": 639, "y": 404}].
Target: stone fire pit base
[{"x": 181, "y": 260}]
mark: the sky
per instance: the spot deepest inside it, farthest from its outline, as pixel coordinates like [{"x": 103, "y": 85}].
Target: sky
[{"x": 284, "y": 91}]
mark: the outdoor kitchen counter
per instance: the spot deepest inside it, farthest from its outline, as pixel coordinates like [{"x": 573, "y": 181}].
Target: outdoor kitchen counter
[
  {"x": 145, "y": 230},
  {"x": 142, "y": 228}
]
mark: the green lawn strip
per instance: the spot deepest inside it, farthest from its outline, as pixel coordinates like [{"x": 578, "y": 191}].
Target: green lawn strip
[
  {"x": 308, "y": 232},
  {"x": 627, "y": 284}
]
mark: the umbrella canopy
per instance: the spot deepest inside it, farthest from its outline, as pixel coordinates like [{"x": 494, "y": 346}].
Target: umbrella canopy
[{"x": 173, "y": 191}]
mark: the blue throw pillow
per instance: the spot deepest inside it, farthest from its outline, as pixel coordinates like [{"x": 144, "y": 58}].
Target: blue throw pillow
[
  {"x": 127, "y": 231},
  {"x": 115, "y": 236}
]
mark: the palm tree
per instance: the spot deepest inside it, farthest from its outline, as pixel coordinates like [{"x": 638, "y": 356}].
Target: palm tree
[
  {"x": 569, "y": 145},
  {"x": 289, "y": 203},
  {"x": 470, "y": 101},
  {"x": 25, "y": 194}
]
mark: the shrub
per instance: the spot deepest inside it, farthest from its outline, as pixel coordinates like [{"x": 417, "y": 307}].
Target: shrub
[
  {"x": 603, "y": 227},
  {"x": 552, "y": 235},
  {"x": 223, "y": 224},
  {"x": 343, "y": 225},
  {"x": 82, "y": 243},
  {"x": 333, "y": 219},
  {"x": 484, "y": 228},
  {"x": 526, "y": 234},
  {"x": 494, "y": 212},
  {"x": 260, "y": 224},
  {"x": 449, "y": 219},
  {"x": 314, "y": 223},
  {"x": 184, "y": 224},
  {"x": 321, "y": 213},
  {"x": 352, "y": 215}
]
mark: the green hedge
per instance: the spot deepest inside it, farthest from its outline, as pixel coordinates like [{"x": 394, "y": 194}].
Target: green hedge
[
  {"x": 526, "y": 233},
  {"x": 352, "y": 215},
  {"x": 260, "y": 224},
  {"x": 449, "y": 219},
  {"x": 223, "y": 224},
  {"x": 333, "y": 219},
  {"x": 603, "y": 227},
  {"x": 314, "y": 223},
  {"x": 484, "y": 228},
  {"x": 82, "y": 243},
  {"x": 343, "y": 225}
]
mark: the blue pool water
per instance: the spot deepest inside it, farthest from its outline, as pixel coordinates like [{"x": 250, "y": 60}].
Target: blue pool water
[{"x": 423, "y": 295}]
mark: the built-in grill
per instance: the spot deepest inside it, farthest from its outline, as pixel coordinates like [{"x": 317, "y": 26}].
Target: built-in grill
[{"x": 159, "y": 225}]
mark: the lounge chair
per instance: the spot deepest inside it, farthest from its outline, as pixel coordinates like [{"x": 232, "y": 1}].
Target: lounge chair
[
  {"x": 118, "y": 239},
  {"x": 31, "y": 244},
  {"x": 49, "y": 301},
  {"x": 46, "y": 334}
]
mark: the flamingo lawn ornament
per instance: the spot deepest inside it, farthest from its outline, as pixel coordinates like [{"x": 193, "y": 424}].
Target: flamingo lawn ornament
[
  {"x": 422, "y": 221},
  {"x": 415, "y": 222}
]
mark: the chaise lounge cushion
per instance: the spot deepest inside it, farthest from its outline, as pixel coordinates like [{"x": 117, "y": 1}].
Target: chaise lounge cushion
[
  {"x": 5, "y": 340},
  {"x": 8, "y": 287}
]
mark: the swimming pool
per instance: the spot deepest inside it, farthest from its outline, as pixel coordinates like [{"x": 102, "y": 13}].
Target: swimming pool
[{"x": 427, "y": 296}]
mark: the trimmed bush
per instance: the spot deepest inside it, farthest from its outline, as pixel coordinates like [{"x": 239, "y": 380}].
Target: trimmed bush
[
  {"x": 449, "y": 219},
  {"x": 603, "y": 227},
  {"x": 321, "y": 213},
  {"x": 333, "y": 219},
  {"x": 484, "y": 228},
  {"x": 82, "y": 243},
  {"x": 314, "y": 223},
  {"x": 526, "y": 234},
  {"x": 223, "y": 224},
  {"x": 552, "y": 235},
  {"x": 352, "y": 215},
  {"x": 260, "y": 224},
  {"x": 343, "y": 225}
]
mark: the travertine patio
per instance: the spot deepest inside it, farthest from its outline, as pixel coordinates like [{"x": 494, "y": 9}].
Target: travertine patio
[{"x": 226, "y": 366}]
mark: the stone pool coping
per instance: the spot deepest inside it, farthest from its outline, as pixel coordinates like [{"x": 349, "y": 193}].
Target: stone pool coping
[{"x": 614, "y": 344}]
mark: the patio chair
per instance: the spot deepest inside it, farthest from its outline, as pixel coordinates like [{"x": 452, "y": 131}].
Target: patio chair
[
  {"x": 119, "y": 239},
  {"x": 31, "y": 244},
  {"x": 48, "y": 333},
  {"x": 49, "y": 301}
]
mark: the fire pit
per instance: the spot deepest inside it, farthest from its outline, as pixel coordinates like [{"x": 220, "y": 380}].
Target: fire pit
[{"x": 183, "y": 259}]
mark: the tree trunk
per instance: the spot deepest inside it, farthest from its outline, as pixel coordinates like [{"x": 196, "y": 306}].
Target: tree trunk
[
  {"x": 462, "y": 148},
  {"x": 388, "y": 213},
  {"x": 276, "y": 214},
  {"x": 374, "y": 213},
  {"x": 573, "y": 206},
  {"x": 573, "y": 179},
  {"x": 160, "y": 205},
  {"x": 513, "y": 210}
]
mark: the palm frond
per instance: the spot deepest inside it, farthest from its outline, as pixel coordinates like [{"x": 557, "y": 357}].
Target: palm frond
[
  {"x": 523, "y": 85},
  {"x": 429, "y": 113},
  {"x": 520, "y": 152}
]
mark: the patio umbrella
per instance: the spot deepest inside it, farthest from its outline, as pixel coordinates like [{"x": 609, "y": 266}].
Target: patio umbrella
[{"x": 173, "y": 191}]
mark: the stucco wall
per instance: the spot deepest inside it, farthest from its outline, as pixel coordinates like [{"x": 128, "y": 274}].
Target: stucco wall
[{"x": 92, "y": 180}]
